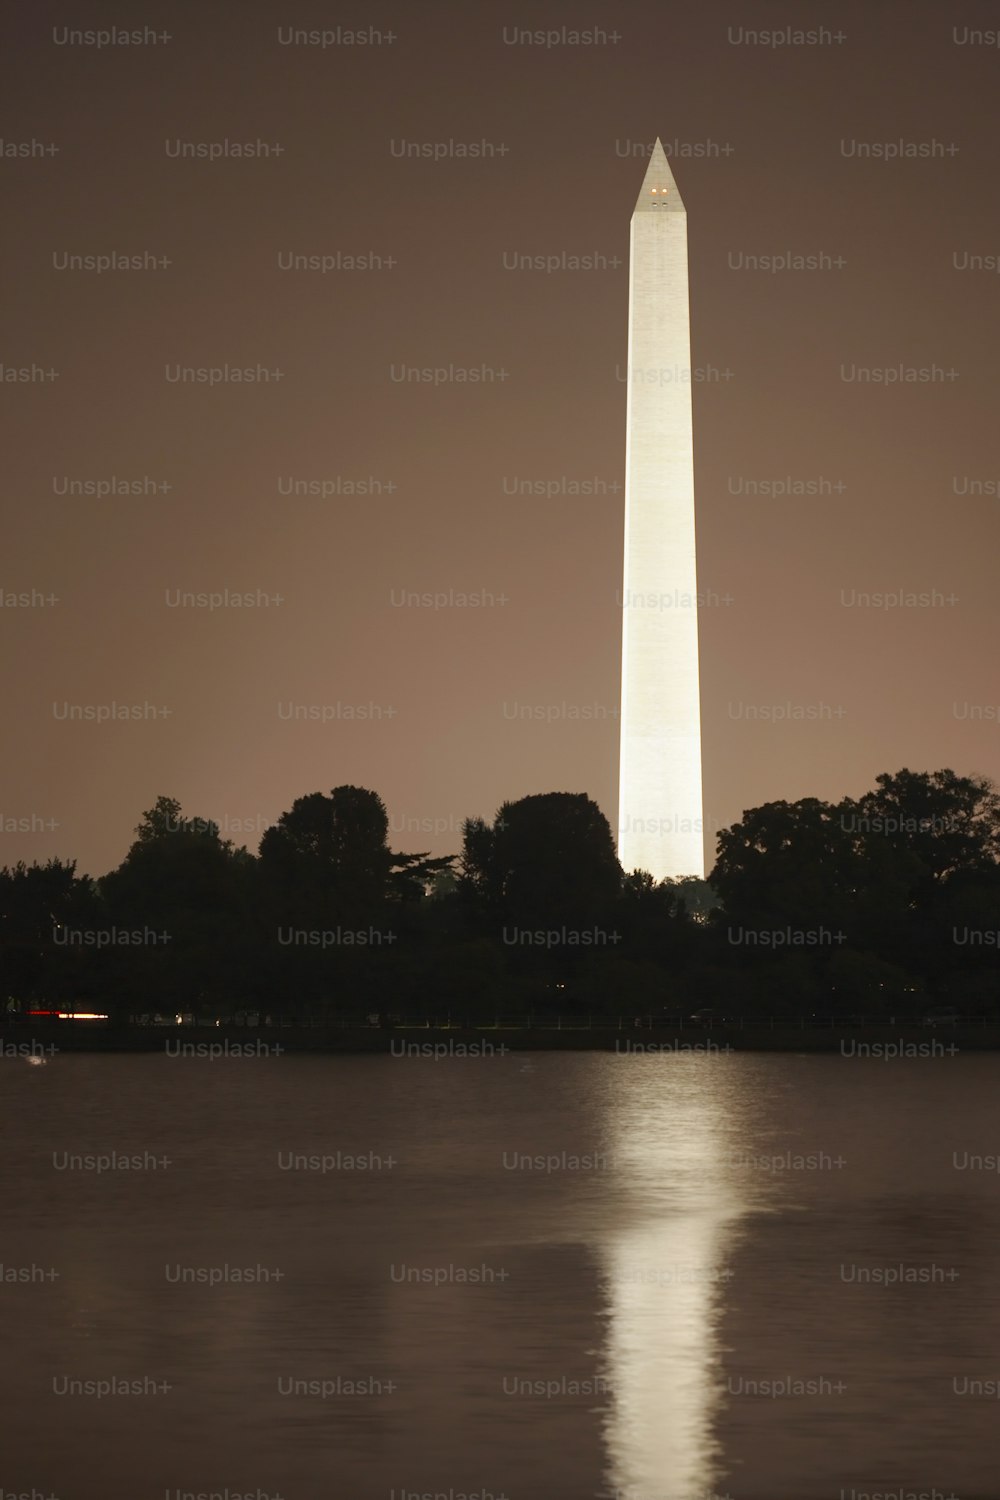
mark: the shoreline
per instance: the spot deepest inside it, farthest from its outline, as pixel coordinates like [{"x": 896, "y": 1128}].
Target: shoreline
[{"x": 885, "y": 1041}]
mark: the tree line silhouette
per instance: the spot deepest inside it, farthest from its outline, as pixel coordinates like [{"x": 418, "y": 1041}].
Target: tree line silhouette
[{"x": 881, "y": 905}]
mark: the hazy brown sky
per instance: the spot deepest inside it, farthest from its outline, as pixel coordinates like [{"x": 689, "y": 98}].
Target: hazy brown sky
[{"x": 472, "y": 705}]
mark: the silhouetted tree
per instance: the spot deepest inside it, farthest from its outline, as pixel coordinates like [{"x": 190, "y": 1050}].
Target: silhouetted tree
[
  {"x": 786, "y": 864},
  {"x": 333, "y": 853},
  {"x": 927, "y": 845},
  {"x": 949, "y": 823},
  {"x": 188, "y": 894},
  {"x": 327, "y": 870},
  {"x": 40, "y": 906},
  {"x": 546, "y": 859}
]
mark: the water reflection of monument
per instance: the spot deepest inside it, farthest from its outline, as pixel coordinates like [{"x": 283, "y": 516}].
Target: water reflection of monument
[{"x": 666, "y": 1272}]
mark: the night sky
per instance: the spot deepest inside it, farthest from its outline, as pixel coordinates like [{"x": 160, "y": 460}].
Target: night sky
[{"x": 447, "y": 711}]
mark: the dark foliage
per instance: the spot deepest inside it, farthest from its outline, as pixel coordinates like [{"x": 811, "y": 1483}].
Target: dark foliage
[{"x": 885, "y": 905}]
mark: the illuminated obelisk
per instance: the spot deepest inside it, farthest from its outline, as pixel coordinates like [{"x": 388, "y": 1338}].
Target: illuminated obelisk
[{"x": 660, "y": 807}]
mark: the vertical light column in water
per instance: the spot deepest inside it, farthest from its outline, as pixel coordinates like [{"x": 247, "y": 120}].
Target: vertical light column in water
[{"x": 672, "y": 1128}]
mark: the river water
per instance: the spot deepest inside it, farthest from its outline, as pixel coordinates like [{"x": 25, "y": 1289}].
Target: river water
[{"x": 547, "y": 1276}]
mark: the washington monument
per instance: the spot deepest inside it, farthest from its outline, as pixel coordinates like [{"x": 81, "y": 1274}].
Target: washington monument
[{"x": 659, "y": 805}]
